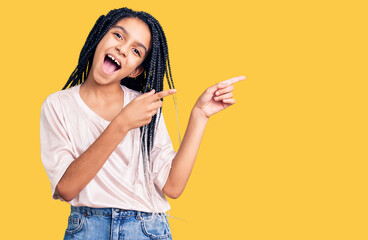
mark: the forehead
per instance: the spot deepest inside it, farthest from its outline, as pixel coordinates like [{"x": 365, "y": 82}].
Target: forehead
[{"x": 136, "y": 29}]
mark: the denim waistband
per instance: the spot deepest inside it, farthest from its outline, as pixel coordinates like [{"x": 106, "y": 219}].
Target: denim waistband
[{"x": 89, "y": 211}]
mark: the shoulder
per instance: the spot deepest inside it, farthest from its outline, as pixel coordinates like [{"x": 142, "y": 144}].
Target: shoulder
[{"x": 56, "y": 99}]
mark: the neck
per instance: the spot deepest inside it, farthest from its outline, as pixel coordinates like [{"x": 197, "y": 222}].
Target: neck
[{"x": 104, "y": 94}]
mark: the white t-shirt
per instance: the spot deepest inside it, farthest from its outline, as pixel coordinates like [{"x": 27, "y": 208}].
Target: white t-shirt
[{"x": 68, "y": 127}]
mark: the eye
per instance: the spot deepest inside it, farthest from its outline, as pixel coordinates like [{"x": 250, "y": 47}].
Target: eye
[
  {"x": 137, "y": 52},
  {"x": 118, "y": 35}
]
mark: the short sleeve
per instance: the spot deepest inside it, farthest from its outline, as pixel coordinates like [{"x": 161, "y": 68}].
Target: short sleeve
[
  {"x": 162, "y": 154},
  {"x": 56, "y": 148}
]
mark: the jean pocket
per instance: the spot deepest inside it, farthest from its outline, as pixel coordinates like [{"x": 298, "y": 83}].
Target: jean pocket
[
  {"x": 155, "y": 227},
  {"x": 75, "y": 222}
]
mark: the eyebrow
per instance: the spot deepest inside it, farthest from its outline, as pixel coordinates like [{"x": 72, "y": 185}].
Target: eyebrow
[{"x": 126, "y": 32}]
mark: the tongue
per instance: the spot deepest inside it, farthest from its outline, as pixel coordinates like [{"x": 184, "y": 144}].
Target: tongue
[{"x": 109, "y": 66}]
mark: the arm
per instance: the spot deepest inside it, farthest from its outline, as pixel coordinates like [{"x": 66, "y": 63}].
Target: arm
[
  {"x": 214, "y": 99},
  {"x": 183, "y": 162},
  {"x": 83, "y": 169}
]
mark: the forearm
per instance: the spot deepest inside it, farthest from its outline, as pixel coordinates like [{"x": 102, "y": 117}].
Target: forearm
[
  {"x": 83, "y": 169},
  {"x": 183, "y": 162}
]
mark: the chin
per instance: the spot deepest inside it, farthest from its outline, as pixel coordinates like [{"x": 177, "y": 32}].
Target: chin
[{"x": 99, "y": 79}]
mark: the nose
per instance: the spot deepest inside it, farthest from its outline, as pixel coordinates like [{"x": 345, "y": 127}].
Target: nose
[{"x": 122, "y": 49}]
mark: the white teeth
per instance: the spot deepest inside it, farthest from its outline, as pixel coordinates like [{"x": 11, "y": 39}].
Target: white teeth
[{"x": 113, "y": 59}]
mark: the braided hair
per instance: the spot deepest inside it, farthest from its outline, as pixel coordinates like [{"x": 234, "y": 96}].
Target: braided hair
[{"x": 156, "y": 65}]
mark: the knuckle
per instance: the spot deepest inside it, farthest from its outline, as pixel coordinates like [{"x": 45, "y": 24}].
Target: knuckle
[{"x": 151, "y": 107}]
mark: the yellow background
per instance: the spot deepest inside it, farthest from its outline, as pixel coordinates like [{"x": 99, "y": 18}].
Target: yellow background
[{"x": 287, "y": 161}]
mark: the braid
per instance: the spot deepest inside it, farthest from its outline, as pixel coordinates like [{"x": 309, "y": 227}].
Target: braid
[{"x": 156, "y": 65}]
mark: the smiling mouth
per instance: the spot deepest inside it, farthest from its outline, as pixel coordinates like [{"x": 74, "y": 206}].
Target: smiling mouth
[{"x": 110, "y": 65}]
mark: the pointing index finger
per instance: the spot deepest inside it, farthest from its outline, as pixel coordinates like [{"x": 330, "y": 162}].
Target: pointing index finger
[
  {"x": 234, "y": 80},
  {"x": 163, "y": 94}
]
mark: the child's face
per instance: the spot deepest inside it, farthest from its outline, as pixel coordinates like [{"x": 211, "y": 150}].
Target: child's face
[{"x": 128, "y": 41}]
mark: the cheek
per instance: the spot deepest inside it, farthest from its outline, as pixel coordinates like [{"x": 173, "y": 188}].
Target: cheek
[
  {"x": 98, "y": 52},
  {"x": 134, "y": 61},
  {"x": 106, "y": 43}
]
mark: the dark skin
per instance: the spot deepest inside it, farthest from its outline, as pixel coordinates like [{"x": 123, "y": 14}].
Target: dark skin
[
  {"x": 129, "y": 41},
  {"x": 103, "y": 94}
]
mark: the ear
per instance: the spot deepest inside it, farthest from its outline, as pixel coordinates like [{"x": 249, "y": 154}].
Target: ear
[{"x": 136, "y": 72}]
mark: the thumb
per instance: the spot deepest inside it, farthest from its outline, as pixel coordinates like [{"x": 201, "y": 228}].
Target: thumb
[
  {"x": 144, "y": 95},
  {"x": 214, "y": 88}
]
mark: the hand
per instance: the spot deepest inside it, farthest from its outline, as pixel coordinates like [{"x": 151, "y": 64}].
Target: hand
[
  {"x": 140, "y": 110},
  {"x": 217, "y": 97}
]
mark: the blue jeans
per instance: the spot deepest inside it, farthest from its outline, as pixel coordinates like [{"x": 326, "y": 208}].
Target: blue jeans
[{"x": 115, "y": 224}]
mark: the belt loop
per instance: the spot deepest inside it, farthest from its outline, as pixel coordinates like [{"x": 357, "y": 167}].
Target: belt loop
[
  {"x": 89, "y": 212},
  {"x": 82, "y": 210},
  {"x": 138, "y": 215}
]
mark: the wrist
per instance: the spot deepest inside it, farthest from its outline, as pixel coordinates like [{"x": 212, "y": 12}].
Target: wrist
[
  {"x": 120, "y": 124},
  {"x": 199, "y": 114}
]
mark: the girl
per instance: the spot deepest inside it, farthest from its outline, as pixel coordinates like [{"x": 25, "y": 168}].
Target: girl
[{"x": 104, "y": 142}]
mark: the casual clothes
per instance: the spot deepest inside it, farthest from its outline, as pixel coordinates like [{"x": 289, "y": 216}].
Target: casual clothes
[
  {"x": 86, "y": 223},
  {"x": 68, "y": 127}
]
